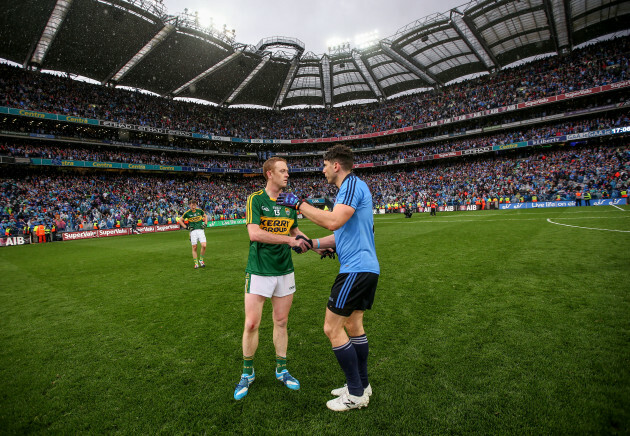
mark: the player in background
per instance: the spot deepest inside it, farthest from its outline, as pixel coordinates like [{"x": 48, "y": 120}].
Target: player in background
[
  {"x": 352, "y": 223},
  {"x": 197, "y": 222},
  {"x": 273, "y": 231}
]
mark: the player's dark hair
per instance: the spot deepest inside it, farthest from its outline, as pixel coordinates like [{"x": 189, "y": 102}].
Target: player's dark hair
[
  {"x": 269, "y": 164},
  {"x": 342, "y": 154}
]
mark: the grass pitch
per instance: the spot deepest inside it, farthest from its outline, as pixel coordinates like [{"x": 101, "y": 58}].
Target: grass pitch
[{"x": 495, "y": 322}]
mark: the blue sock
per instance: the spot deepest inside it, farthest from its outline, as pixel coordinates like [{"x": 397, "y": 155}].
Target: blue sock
[
  {"x": 362, "y": 349},
  {"x": 347, "y": 358}
]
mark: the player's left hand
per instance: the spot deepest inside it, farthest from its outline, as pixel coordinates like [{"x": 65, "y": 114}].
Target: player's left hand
[
  {"x": 289, "y": 199},
  {"x": 327, "y": 252}
]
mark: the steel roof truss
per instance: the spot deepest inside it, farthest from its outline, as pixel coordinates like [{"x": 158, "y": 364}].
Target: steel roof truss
[
  {"x": 420, "y": 33},
  {"x": 367, "y": 75},
  {"x": 558, "y": 23},
  {"x": 600, "y": 7},
  {"x": 57, "y": 16},
  {"x": 519, "y": 34},
  {"x": 508, "y": 17},
  {"x": 245, "y": 82},
  {"x": 288, "y": 81},
  {"x": 467, "y": 35},
  {"x": 448, "y": 58},
  {"x": 435, "y": 44},
  {"x": 470, "y": 25},
  {"x": 567, "y": 13},
  {"x": 209, "y": 71},
  {"x": 326, "y": 76},
  {"x": 483, "y": 8},
  {"x": 144, "y": 51},
  {"x": 411, "y": 66}
]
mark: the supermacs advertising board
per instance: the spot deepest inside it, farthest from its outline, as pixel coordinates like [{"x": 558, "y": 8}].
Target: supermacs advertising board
[{"x": 89, "y": 234}]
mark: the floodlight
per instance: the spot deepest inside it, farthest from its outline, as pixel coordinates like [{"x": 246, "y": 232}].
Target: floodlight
[
  {"x": 367, "y": 39},
  {"x": 335, "y": 43}
]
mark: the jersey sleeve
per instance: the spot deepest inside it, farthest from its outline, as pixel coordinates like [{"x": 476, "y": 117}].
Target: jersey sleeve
[
  {"x": 295, "y": 218},
  {"x": 253, "y": 210},
  {"x": 349, "y": 193}
]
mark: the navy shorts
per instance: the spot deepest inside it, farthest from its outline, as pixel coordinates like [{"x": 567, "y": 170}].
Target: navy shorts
[{"x": 352, "y": 291}]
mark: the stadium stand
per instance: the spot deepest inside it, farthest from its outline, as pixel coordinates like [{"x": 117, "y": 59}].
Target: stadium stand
[
  {"x": 540, "y": 130},
  {"x": 105, "y": 154},
  {"x": 69, "y": 200},
  {"x": 595, "y": 65}
]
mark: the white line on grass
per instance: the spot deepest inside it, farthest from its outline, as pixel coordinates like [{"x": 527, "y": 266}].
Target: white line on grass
[
  {"x": 468, "y": 220},
  {"x": 618, "y": 207},
  {"x": 587, "y": 228},
  {"x": 488, "y": 214}
]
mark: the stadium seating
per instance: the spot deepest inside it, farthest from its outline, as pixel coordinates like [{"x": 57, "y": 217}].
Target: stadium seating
[
  {"x": 584, "y": 68},
  {"x": 70, "y": 199}
]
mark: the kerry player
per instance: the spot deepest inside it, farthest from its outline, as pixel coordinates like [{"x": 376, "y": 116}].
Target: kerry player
[
  {"x": 197, "y": 222},
  {"x": 273, "y": 231}
]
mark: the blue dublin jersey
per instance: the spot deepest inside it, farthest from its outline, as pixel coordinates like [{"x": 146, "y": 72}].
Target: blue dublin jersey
[{"x": 355, "y": 239}]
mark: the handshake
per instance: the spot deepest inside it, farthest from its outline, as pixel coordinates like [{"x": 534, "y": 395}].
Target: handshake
[{"x": 303, "y": 247}]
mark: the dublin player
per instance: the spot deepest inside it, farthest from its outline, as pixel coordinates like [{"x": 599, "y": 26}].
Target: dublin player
[
  {"x": 273, "y": 231},
  {"x": 354, "y": 288},
  {"x": 197, "y": 222}
]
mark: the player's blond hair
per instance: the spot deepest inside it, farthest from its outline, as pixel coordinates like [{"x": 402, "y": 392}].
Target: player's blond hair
[{"x": 270, "y": 164}]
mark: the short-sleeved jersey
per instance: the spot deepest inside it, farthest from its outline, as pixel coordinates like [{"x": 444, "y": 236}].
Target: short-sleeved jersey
[
  {"x": 355, "y": 239},
  {"x": 195, "y": 218},
  {"x": 269, "y": 259}
]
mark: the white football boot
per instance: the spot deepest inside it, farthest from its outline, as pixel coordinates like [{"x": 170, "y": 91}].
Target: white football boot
[
  {"x": 344, "y": 390},
  {"x": 348, "y": 402}
]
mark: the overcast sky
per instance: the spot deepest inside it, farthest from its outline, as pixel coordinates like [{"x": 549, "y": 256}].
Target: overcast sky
[{"x": 314, "y": 22}]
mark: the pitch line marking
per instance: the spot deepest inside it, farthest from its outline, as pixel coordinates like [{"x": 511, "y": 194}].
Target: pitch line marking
[
  {"x": 469, "y": 220},
  {"x": 489, "y": 214},
  {"x": 588, "y": 228}
]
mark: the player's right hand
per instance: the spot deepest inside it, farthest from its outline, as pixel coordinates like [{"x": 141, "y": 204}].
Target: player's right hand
[{"x": 301, "y": 244}]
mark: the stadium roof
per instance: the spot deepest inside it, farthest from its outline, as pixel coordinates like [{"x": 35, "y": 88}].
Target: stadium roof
[{"x": 135, "y": 43}]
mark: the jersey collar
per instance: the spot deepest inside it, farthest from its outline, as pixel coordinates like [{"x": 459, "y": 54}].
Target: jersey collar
[{"x": 350, "y": 174}]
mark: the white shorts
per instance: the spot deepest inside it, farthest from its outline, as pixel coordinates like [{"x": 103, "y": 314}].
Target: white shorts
[
  {"x": 197, "y": 236},
  {"x": 270, "y": 286}
]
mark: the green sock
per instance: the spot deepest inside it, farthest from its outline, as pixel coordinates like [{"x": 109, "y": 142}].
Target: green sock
[
  {"x": 200, "y": 258},
  {"x": 281, "y": 363},
  {"x": 248, "y": 365},
  {"x": 196, "y": 261}
]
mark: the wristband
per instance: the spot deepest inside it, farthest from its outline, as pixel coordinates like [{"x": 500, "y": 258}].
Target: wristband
[{"x": 318, "y": 244}]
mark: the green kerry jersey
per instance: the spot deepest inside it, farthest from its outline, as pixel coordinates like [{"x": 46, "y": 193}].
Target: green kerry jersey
[
  {"x": 269, "y": 259},
  {"x": 195, "y": 219}
]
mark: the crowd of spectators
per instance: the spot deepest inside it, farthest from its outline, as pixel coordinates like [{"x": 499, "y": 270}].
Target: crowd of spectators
[
  {"x": 76, "y": 201},
  {"x": 542, "y": 176},
  {"x": 71, "y": 200},
  {"x": 599, "y": 64},
  {"x": 110, "y": 154}
]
